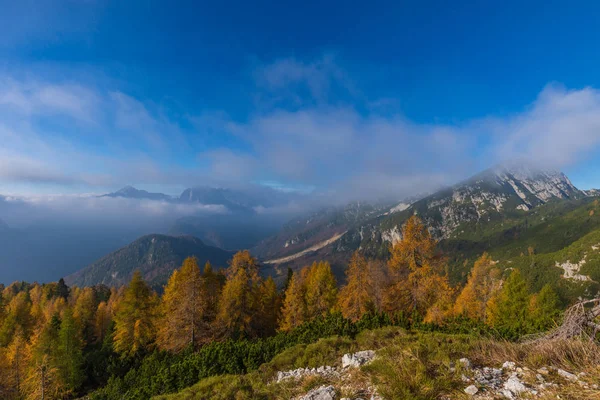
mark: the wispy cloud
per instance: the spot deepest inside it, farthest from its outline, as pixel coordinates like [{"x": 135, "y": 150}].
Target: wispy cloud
[
  {"x": 40, "y": 98},
  {"x": 303, "y": 132}
]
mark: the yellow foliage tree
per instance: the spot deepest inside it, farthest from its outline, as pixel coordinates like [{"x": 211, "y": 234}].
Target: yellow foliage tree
[
  {"x": 84, "y": 312},
  {"x": 135, "y": 318},
  {"x": 356, "y": 297},
  {"x": 321, "y": 290},
  {"x": 239, "y": 305},
  {"x": 293, "y": 312},
  {"x": 182, "y": 322},
  {"x": 269, "y": 306},
  {"x": 102, "y": 321},
  {"x": 416, "y": 272},
  {"x": 16, "y": 362},
  {"x": 212, "y": 290},
  {"x": 483, "y": 282}
]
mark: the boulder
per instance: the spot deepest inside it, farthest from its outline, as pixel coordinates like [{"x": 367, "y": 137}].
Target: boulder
[
  {"x": 321, "y": 393},
  {"x": 514, "y": 385},
  {"x": 472, "y": 390},
  {"x": 357, "y": 359},
  {"x": 566, "y": 375}
]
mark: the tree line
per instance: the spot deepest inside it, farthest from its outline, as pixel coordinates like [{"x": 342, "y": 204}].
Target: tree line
[{"x": 54, "y": 339}]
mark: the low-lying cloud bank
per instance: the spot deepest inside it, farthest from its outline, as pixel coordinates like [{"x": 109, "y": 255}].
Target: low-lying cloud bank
[{"x": 23, "y": 210}]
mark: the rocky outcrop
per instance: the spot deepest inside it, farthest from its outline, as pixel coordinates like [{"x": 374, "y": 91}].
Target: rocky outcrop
[
  {"x": 357, "y": 359},
  {"x": 513, "y": 382},
  {"x": 320, "y": 393},
  {"x": 348, "y": 361},
  {"x": 323, "y": 371}
]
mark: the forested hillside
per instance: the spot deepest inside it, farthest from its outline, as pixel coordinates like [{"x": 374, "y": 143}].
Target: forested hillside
[{"x": 130, "y": 342}]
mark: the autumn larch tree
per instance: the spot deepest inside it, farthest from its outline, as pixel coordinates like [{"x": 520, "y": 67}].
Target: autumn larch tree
[
  {"x": 416, "y": 272},
  {"x": 182, "y": 322},
  {"x": 482, "y": 284},
  {"x": 213, "y": 283},
  {"x": 70, "y": 353},
  {"x": 293, "y": 312},
  {"x": 356, "y": 297},
  {"x": 269, "y": 307},
  {"x": 239, "y": 305},
  {"x": 43, "y": 379},
  {"x": 321, "y": 290},
  {"x": 135, "y": 319},
  {"x": 84, "y": 312}
]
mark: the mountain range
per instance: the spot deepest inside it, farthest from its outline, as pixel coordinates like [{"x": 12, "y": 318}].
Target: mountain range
[
  {"x": 504, "y": 210},
  {"x": 155, "y": 256},
  {"x": 479, "y": 214}
]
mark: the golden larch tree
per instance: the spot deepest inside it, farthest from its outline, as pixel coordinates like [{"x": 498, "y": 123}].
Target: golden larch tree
[
  {"x": 356, "y": 297},
  {"x": 321, "y": 290},
  {"x": 293, "y": 312},
  {"x": 135, "y": 318},
  {"x": 483, "y": 282},
  {"x": 182, "y": 308},
  {"x": 239, "y": 305},
  {"x": 416, "y": 268},
  {"x": 269, "y": 307}
]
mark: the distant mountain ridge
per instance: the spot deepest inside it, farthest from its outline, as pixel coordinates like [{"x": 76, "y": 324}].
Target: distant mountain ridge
[
  {"x": 130, "y": 192},
  {"x": 155, "y": 256},
  {"x": 486, "y": 199}
]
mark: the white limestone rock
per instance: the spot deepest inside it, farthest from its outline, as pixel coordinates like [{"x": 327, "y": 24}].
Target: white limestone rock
[
  {"x": 357, "y": 359},
  {"x": 320, "y": 393},
  {"x": 471, "y": 390}
]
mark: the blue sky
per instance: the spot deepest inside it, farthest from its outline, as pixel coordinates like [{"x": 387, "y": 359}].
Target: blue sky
[{"x": 370, "y": 97}]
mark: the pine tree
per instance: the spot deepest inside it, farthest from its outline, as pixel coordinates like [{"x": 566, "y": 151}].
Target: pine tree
[
  {"x": 356, "y": 297},
  {"x": 135, "y": 318},
  {"x": 183, "y": 307},
  {"x": 544, "y": 309},
  {"x": 508, "y": 309},
  {"x": 321, "y": 290},
  {"x": 70, "y": 354},
  {"x": 62, "y": 290},
  {"x": 293, "y": 312},
  {"x": 238, "y": 306}
]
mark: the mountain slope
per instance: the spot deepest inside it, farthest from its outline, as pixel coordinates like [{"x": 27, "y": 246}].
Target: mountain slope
[
  {"x": 155, "y": 256},
  {"x": 490, "y": 202},
  {"x": 327, "y": 225}
]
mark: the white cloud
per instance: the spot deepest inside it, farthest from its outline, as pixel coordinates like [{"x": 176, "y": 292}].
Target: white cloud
[
  {"x": 562, "y": 127},
  {"x": 41, "y": 98}
]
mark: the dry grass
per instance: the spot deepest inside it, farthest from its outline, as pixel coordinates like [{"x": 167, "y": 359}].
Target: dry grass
[
  {"x": 577, "y": 354},
  {"x": 409, "y": 366}
]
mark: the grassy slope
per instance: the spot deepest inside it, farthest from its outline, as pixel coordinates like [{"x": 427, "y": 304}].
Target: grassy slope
[
  {"x": 550, "y": 230},
  {"x": 409, "y": 366}
]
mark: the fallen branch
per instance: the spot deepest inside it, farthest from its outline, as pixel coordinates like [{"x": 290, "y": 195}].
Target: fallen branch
[{"x": 579, "y": 321}]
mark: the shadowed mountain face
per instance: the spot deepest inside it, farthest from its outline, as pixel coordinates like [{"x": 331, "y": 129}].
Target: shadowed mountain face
[{"x": 155, "y": 256}]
